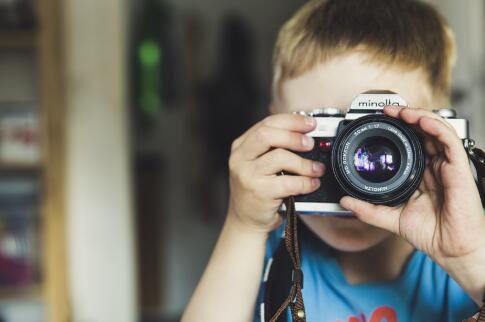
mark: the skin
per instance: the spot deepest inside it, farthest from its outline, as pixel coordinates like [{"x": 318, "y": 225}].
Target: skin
[{"x": 444, "y": 218}]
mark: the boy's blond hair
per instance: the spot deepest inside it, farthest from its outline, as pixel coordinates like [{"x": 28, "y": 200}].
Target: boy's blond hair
[{"x": 405, "y": 32}]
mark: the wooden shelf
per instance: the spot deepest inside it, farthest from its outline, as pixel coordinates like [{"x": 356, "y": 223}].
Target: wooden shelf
[
  {"x": 45, "y": 44},
  {"x": 18, "y": 39},
  {"x": 20, "y": 167},
  {"x": 20, "y": 104},
  {"x": 20, "y": 293}
]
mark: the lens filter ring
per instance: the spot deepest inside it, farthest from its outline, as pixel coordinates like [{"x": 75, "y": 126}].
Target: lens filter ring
[{"x": 378, "y": 159}]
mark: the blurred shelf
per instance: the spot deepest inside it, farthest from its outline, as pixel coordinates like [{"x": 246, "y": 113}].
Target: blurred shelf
[
  {"x": 18, "y": 39},
  {"x": 20, "y": 167},
  {"x": 20, "y": 104},
  {"x": 8, "y": 294}
]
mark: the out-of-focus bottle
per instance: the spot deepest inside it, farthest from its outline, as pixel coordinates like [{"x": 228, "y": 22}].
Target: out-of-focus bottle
[{"x": 153, "y": 76}]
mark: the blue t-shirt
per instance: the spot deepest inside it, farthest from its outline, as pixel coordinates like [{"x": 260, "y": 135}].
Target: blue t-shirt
[{"x": 422, "y": 293}]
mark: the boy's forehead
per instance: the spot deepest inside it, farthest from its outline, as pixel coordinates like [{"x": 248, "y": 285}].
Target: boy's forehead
[{"x": 336, "y": 82}]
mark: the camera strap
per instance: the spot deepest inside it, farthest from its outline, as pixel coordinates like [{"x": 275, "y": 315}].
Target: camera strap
[
  {"x": 481, "y": 314},
  {"x": 291, "y": 241},
  {"x": 477, "y": 156}
]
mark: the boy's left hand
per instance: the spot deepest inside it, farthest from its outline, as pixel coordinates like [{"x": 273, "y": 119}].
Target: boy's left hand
[{"x": 444, "y": 217}]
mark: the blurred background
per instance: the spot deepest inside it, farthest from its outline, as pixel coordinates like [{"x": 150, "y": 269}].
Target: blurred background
[{"x": 115, "y": 124}]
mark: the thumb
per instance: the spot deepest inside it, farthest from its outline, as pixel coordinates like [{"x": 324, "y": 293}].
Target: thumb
[{"x": 376, "y": 215}]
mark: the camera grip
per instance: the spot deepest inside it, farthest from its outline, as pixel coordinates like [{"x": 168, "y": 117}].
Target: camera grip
[{"x": 477, "y": 156}]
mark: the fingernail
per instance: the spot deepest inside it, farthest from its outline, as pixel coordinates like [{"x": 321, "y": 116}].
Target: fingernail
[
  {"x": 307, "y": 141},
  {"x": 318, "y": 167},
  {"x": 316, "y": 182},
  {"x": 310, "y": 121}
]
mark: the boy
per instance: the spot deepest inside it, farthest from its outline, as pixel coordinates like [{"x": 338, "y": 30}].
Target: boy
[{"x": 386, "y": 264}]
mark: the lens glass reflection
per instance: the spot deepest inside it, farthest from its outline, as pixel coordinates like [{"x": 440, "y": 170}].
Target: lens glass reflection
[{"x": 377, "y": 159}]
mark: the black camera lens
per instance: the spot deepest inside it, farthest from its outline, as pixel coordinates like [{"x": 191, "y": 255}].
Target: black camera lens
[{"x": 378, "y": 159}]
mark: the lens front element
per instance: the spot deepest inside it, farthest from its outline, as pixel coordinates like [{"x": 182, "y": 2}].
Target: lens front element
[{"x": 377, "y": 159}]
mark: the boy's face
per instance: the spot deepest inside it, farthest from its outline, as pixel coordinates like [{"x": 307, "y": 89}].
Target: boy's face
[{"x": 336, "y": 83}]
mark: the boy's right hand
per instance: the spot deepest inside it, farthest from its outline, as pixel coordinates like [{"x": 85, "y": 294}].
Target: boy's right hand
[{"x": 258, "y": 157}]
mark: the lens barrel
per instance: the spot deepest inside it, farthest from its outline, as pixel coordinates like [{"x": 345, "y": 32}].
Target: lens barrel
[{"x": 378, "y": 159}]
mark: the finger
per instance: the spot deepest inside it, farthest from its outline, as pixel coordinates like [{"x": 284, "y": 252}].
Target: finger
[
  {"x": 447, "y": 138},
  {"x": 429, "y": 179},
  {"x": 238, "y": 141},
  {"x": 290, "y": 122},
  {"x": 393, "y": 111},
  {"x": 279, "y": 160},
  {"x": 279, "y": 187},
  {"x": 408, "y": 114},
  {"x": 435, "y": 126},
  {"x": 431, "y": 147},
  {"x": 266, "y": 138},
  {"x": 418, "y": 192},
  {"x": 380, "y": 216},
  {"x": 413, "y": 115}
]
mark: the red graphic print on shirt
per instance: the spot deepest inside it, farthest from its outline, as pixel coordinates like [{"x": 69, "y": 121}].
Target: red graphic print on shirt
[{"x": 380, "y": 314}]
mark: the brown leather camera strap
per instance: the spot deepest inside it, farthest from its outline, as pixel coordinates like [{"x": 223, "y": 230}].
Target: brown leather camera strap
[
  {"x": 481, "y": 315},
  {"x": 295, "y": 297},
  {"x": 477, "y": 157}
]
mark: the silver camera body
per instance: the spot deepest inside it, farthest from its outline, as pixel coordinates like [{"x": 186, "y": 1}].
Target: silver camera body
[{"x": 367, "y": 154}]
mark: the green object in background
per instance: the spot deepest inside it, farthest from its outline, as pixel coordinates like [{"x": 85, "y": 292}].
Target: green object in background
[{"x": 150, "y": 58}]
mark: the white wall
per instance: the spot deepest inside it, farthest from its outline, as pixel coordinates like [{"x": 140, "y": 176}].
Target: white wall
[
  {"x": 99, "y": 206},
  {"x": 467, "y": 18}
]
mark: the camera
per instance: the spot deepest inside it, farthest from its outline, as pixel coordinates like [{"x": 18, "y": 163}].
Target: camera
[{"x": 368, "y": 155}]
